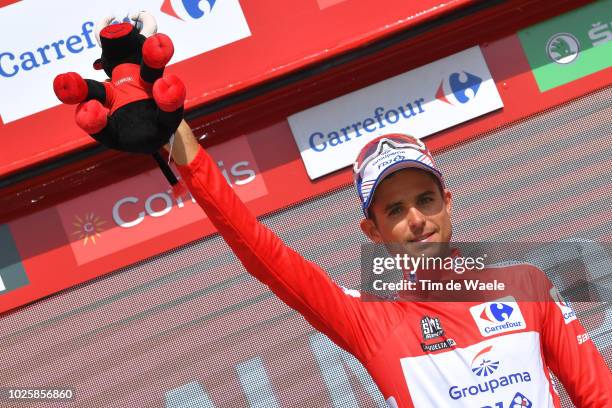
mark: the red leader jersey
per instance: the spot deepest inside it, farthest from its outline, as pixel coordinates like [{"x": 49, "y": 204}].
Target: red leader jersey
[
  {"x": 420, "y": 354},
  {"x": 126, "y": 86}
]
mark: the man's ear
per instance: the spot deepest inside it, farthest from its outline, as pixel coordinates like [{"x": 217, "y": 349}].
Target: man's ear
[
  {"x": 448, "y": 201},
  {"x": 370, "y": 229}
]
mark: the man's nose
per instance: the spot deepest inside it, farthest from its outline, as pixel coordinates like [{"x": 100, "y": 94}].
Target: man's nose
[{"x": 416, "y": 219}]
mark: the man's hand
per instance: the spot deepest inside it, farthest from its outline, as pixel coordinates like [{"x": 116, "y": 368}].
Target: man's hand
[{"x": 185, "y": 147}]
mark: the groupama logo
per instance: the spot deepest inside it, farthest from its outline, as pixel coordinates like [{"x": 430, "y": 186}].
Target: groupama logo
[
  {"x": 462, "y": 85},
  {"x": 187, "y": 10},
  {"x": 497, "y": 312},
  {"x": 482, "y": 365}
]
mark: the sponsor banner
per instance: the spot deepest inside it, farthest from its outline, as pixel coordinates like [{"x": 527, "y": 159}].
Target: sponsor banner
[
  {"x": 12, "y": 272},
  {"x": 140, "y": 208},
  {"x": 420, "y": 102},
  {"x": 33, "y": 57},
  {"x": 570, "y": 46},
  {"x": 124, "y": 223},
  {"x": 224, "y": 47},
  {"x": 489, "y": 373}
]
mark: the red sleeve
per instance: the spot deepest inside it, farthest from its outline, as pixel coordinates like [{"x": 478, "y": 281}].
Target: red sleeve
[
  {"x": 301, "y": 284},
  {"x": 110, "y": 94},
  {"x": 573, "y": 357}
]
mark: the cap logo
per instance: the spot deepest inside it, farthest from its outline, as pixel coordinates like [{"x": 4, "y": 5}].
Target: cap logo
[{"x": 398, "y": 157}]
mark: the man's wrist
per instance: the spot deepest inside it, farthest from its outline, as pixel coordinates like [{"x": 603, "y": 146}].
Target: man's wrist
[{"x": 185, "y": 146}]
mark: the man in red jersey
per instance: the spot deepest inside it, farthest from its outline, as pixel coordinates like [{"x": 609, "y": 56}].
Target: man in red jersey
[{"x": 420, "y": 354}]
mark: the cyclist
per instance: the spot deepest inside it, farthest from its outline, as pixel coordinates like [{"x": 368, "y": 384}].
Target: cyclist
[{"x": 423, "y": 354}]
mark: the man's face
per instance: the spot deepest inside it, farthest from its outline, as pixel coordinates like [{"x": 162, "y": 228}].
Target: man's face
[{"x": 410, "y": 210}]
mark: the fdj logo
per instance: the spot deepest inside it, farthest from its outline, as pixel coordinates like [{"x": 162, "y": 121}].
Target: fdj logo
[
  {"x": 497, "y": 312},
  {"x": 562, "y": 48},
  {"x": 482, "y": 365},
  {"x": 463, "y": 86},
  {"x": 520, "y": 401},
  {"x": 188, "y": 9}
]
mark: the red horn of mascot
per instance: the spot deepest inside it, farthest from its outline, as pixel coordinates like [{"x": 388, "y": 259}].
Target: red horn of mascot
[{"x": 138, "y": 109}]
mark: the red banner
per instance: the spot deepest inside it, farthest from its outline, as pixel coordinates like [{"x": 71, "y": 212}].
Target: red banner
[
  {"x": 136, "y": 218},
  {"x": 77, "y": 240},
  {"x": 281, "y": 40}
]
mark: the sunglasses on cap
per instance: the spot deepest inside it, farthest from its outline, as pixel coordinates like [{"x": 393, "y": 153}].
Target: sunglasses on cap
[{"x": 374, "y": 148}]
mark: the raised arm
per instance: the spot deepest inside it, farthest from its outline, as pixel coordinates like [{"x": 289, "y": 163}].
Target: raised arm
[
  {"x": 185, "y": 147},
  {"x": 299, "y": 283}
]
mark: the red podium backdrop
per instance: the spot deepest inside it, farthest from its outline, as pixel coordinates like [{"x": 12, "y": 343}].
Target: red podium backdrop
[{"x": 128, "y": 295}]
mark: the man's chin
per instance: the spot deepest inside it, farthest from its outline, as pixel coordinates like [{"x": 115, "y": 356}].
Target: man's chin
[{"x": 428, "y": 248}]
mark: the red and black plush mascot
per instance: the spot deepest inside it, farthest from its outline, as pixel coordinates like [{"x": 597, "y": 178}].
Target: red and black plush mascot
[{"x": 138, "y": 109}]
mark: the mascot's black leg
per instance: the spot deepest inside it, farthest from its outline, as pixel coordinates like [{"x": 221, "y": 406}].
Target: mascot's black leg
[
  {"x": 96, "y": 90},
  {"x": 109, "y": 136}
]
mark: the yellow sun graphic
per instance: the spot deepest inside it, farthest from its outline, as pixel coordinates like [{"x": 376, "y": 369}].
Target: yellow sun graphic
[{"x": 88, "y": 228}]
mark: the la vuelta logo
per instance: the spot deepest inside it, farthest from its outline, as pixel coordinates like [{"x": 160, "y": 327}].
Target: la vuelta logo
[{"x": 188, "y": 9}]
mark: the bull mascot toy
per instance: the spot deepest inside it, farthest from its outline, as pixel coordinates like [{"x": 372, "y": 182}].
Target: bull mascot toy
[{"x": 137, "y": 109}]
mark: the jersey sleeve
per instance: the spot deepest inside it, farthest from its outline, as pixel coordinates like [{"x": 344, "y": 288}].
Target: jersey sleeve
[
  {"x": 299, "y": 283},
  {"x": 572, "y": 356}
]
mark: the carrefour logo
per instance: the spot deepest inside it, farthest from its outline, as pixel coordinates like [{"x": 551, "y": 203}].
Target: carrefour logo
[
  {"x": 18, "y": 61},
  {"x": 497, "y": 312},
  {"x": 463, "y": 86},
  {"x": 459, "y": 88},
  {"x": 44, "y": 41},
  {"x": 498, "y": 317},
  {"x": 563, "y": 305},
  {"x": 187, "y": 10},
  {"x": 482, "y": 364}
]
